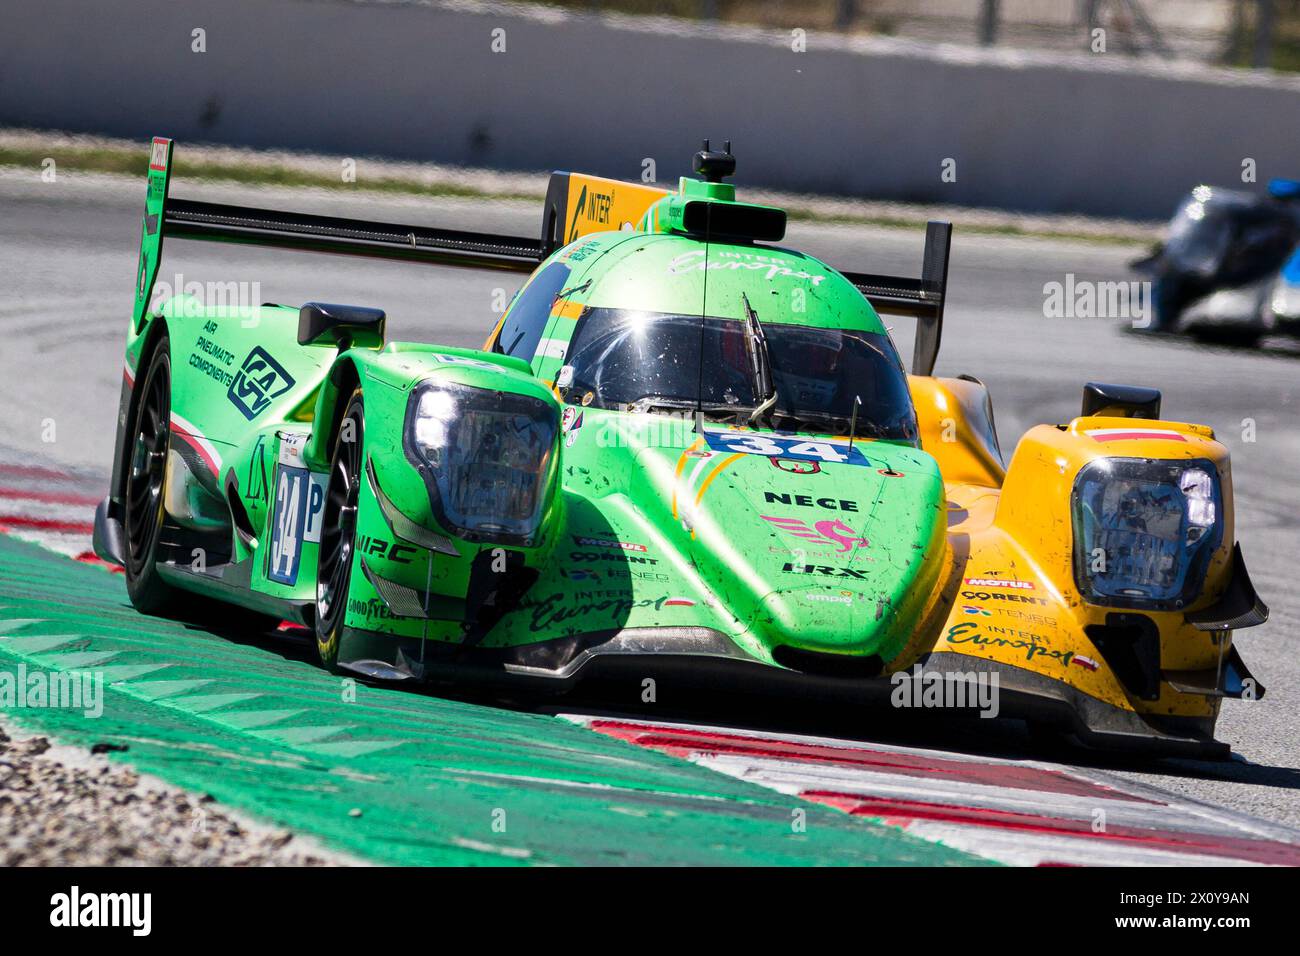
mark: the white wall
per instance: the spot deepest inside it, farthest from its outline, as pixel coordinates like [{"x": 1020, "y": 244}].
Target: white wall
[{"x": 875, "y": 118}]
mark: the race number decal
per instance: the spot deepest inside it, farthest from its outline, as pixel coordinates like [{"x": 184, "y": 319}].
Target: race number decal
[
  {"x": 296, "y": 517},
  {"x": 786, "y": 446}
]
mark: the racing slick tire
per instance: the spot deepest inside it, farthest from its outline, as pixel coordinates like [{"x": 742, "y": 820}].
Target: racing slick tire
[
  {"x": 338, "y": 532},
  {"x": 146, "y": 481}
]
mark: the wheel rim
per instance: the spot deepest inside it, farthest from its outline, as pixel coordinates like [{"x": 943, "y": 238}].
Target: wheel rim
[
  {"x": 338, "y": 532},
  {"x": 148, "y": 471}
]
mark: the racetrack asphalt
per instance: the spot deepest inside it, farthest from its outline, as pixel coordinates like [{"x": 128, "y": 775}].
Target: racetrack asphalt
[{"x": 68, "y": 257}]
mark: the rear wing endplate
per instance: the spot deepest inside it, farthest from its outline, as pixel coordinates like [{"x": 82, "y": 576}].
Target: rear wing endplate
[
  {"x": 576, "y": 205},
  {"x": 921, "y": 298}
]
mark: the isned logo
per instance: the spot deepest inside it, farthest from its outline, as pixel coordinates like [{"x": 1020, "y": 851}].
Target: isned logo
[{"x": 260, "y": 380}]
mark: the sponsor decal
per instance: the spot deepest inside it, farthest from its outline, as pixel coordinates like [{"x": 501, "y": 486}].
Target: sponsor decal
[
  {"x": 972, "y": 609},
  {"x": 771, "y": 267},
  {"x": 968, "y": 632},
  {"x": 1028, "y": 617},
  {"x": 607, "y": 543},
  {"x": 592, "y": 206},
  {"x": 158, "y": 154},
  {"x": 1085, "y": 662},
  {"x": 210, "y": 359},
  {"x": 803, "y": 554},
  {"x": 560, "y": 607},
  {"x": 580, "y": 574},
  {"x": 388, "y": 550},
  {"x": 1133, "y": 434},
  {"x": 291, "y": 447},
  {"x": 551, "y": 348},
  {"x": 372, "y": 608},
  {"x": 637, "y": 575},
  {"x": 794, "y": 447},
  {"x": 797, "y": 467},
  {"x": 1015, "y": 632},
  {"x": 835, "y": 532},
  {"x": 999, "y": 583},
  {"x": 572, "y": 430},
  {"x": 567, "y": 417},
  {"x": 463, "y": 360},
  {"x": 825, "y": 570},
  {"x": 999, "y": 596},
  {"x": 843, "y": 597},
  {"x": 255, "y": 484},
  {"x": 260, "y": 380},
  {"x": 598, "y": 556},
  {"x": 699, "y": 453},
  {"x": 808, "y": 501}
]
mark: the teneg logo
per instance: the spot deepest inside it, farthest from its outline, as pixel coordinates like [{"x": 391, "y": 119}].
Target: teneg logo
[
  {"x": 260, "y": 380},
  {"x": 74, "y": 909}
]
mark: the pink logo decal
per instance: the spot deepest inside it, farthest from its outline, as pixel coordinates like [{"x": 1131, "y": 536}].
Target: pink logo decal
[{"x": 836, "y": 532}]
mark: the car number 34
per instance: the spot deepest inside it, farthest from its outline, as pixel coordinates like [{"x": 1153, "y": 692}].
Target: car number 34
[
  {"x": 296, "y": 517},
  {"x": 785, "y": 446}
]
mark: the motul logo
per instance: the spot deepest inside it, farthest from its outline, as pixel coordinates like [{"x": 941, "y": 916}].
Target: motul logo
[{"x": 1000, "y": 583}]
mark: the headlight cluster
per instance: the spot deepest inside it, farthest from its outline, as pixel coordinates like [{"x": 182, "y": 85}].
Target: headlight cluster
[
  {"x": 485, "y": 456},
  {"x": 1144, "y": 530}
]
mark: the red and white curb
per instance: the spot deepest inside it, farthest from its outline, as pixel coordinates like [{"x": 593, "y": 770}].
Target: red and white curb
[
  {"x": 50, "y": 507},
  {"x": 1020, "y": 812},
  {"x": 1025, "y": 813}
]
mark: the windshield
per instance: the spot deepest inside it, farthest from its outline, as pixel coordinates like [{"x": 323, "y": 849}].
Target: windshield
[
  {"x": 643, "y": 361},
  {"x": 1199, "y": 235}
]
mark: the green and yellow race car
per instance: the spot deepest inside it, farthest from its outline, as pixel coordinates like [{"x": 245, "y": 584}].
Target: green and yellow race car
[{"x": 685, "y": 451}]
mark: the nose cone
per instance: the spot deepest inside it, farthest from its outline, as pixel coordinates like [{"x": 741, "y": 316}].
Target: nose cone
[{"x": 839, "y": 561}]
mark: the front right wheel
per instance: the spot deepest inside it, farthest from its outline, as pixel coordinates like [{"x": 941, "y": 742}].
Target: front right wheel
[{"x": 338, "y": 532}]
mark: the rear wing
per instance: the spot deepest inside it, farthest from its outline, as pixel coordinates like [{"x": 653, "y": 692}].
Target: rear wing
[
  {"x": 190, "y": 219},
  {"x": 921, "y": 298},
  {"x": 576, "y": 205}
]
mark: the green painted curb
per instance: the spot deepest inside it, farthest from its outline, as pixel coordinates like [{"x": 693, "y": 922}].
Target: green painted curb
[{"x": 436, "y": 782}]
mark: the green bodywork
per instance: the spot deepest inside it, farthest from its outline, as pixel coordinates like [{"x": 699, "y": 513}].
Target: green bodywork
[{"x": 647, "y": 523}]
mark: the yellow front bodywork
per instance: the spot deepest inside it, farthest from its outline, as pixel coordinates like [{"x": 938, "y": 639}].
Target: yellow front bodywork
[{"x": 1008, "y": 593}]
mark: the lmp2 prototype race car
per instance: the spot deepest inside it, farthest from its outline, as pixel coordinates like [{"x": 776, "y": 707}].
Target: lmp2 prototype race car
[
  {"x": 1229, "y": 269},
  {"x": 685, "y": 451}
]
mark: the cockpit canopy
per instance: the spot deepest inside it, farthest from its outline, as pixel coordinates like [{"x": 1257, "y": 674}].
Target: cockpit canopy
[
  {"x": 665, "y": 323},
  {"x": 651, "y": 361}
]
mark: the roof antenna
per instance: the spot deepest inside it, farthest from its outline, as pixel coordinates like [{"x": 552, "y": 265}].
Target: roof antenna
[
  {"x": 714, "y": 167},
  {"x": 853, "y": 421}
]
